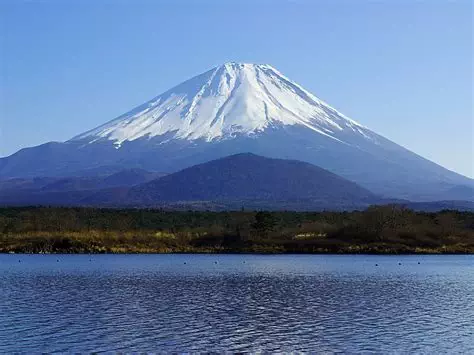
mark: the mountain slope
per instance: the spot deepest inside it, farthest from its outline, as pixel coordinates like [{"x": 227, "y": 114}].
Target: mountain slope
[
  {"x": 68, "y": 190},
  {"x": 242, "y": 180},
  {"x": 248, "y": 178},
  {"x": 236, "y": 108}
]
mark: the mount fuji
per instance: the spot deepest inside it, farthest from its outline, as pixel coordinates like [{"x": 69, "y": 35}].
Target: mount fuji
[{"x": 237, "y": 108}]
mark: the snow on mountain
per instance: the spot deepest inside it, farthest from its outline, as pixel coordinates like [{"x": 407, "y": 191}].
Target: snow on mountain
[
  {"x": 229, "y": 100},
  {"x": 240, "y": 108}
]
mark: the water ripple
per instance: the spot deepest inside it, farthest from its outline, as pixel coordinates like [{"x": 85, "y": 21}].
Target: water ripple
[{"x": 271, "y": 303}]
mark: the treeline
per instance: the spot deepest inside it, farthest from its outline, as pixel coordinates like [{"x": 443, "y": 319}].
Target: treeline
[{"x": 381, "y": 229}]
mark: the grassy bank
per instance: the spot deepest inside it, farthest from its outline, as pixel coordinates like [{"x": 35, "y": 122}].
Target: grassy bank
[{"x": 386, "y": 229}]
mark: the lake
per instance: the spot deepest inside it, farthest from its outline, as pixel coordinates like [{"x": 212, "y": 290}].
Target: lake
[{"x": 275, "y": 303}]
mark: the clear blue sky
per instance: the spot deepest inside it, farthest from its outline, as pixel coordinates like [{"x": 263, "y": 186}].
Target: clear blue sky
[{"x": 403, "y": 68}]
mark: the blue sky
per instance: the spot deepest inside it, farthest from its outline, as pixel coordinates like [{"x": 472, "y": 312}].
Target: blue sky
[{"x": 402, "y": 68}]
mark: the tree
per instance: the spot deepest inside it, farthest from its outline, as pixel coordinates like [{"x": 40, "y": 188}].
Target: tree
[{"x": 264, "y": 223}]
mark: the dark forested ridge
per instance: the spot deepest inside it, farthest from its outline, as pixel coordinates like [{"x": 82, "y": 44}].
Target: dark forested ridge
[
  {"x": 249, "y": 177},
  {"x": 222, "y": 184},
  {"x": 381, "y": 229},
  {"x": 249, "y": 180}
]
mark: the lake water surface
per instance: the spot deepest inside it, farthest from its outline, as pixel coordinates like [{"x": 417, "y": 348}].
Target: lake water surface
[{"x": 182, "y": 303}]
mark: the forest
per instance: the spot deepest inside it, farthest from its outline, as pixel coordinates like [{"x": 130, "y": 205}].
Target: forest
[{"x": 389, "y": 229}]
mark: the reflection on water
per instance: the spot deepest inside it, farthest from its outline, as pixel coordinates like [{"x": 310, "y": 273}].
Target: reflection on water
[{"x": 51, "y": 303}]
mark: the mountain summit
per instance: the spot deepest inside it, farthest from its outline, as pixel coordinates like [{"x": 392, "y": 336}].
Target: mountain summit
[
  {"x": 230, "y": 100},
  {"x": 236, "y": 108}
]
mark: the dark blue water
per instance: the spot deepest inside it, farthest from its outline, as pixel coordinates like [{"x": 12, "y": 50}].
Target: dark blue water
[{"x": 180, "y": 303}]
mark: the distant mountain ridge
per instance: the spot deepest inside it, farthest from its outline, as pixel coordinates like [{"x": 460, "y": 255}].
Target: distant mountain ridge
[
  {"x": 67, "y": 191},
  {"x": 230, "y": 183},
  {"x": 129, "y": 177},
  {"x": 241, "y": 179},
  {"x": 237, "y": 108},
  {"x": 248, "y": 177}
]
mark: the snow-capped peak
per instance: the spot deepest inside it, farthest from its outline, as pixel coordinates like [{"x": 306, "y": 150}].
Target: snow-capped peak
[{"x": 229, "y": 100}]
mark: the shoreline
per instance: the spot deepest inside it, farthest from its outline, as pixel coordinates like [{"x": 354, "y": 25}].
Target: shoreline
[
  {"x": 228, "y": 252},
  {"x": 381, "y": 230}
]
